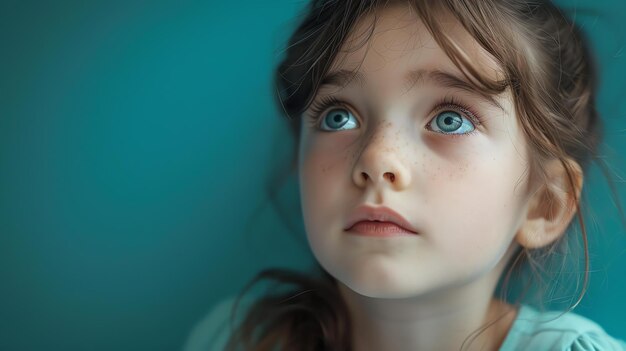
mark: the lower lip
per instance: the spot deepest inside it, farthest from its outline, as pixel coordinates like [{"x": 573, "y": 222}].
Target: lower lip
[{"x": 379, "y": 229}]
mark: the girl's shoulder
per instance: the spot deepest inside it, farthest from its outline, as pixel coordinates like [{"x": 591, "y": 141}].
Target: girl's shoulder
[
  {"x": 214, "y": 329},
  {"x": 552, "y": 330},
  {"x": 531, "y": 330}
]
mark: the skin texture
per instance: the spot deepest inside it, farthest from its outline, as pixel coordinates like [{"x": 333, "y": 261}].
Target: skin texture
[{"x": 467, "y": 195}]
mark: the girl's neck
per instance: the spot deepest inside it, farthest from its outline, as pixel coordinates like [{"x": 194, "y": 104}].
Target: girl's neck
[{"x": 445, "y": 320}]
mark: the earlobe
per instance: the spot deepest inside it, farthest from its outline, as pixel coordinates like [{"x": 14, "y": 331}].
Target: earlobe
[{"x": 552, "y": 207}]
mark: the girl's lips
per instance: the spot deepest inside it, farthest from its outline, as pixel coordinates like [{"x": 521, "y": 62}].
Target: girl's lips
[
  {"x": 381, "y": 214},
  {"x": 376, "y": 228}
]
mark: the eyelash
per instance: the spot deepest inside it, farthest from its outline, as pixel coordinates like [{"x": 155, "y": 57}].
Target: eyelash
[
  {"x": 317, "y": 107},
  {"x": 448, "y": 102}
]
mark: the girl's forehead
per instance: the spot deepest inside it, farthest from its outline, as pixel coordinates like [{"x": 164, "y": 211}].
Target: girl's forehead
[{"x": 399, "y": 33}]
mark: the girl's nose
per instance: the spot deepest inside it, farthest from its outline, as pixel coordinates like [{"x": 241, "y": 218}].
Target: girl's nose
[{"x": 379, "y": 164}]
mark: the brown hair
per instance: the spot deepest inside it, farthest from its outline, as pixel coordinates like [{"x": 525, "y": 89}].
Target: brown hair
[{"x": 550, "y": 73}]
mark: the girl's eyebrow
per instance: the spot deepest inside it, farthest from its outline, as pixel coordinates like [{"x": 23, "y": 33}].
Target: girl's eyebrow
[{"x": 343, "y": 77}]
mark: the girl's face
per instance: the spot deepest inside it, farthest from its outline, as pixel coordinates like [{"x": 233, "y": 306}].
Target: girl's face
[{"x": 458, "y": 162}]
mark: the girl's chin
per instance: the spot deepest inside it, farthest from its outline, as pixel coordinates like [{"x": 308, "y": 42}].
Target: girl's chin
[{"x": 376, "y": 290}]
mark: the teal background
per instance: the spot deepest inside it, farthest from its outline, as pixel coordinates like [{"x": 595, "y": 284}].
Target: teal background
[{"x": 136, "y": 143}]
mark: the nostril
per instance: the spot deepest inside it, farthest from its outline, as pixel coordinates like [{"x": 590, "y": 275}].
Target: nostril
[{"x": 390, "y": 176}]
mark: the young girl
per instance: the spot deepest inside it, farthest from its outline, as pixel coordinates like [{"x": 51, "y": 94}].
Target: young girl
[{"x": 442, "y": 153}]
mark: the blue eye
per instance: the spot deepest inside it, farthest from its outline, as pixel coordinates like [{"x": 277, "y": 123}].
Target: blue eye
[
  {"x": 447, "y": 122},
  {"x": 338, "y": 119}
]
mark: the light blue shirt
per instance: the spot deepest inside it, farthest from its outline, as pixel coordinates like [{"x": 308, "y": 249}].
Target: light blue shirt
[
  {"x": 534, "y": 330},
  {"x": 531, "y": 330}
]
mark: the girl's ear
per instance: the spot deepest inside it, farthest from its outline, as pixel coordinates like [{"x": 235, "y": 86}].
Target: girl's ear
[{"x": 551, "y": 207}]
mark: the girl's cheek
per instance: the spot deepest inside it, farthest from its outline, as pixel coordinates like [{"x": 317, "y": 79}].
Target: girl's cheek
[
  {"x": 322, "y": 153},
  {"x": 481, "y": 207},
  {"x": 324, "y": 165},
  {"x": 456, "y": 148}
]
